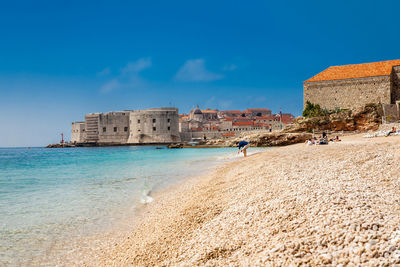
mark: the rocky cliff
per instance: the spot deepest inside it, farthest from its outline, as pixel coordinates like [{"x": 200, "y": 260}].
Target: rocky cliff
[
  {"x": 363, "y": 119},
  {"x": 262, "y": 139}
]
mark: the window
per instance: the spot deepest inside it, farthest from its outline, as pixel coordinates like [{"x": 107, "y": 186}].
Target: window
[
  {"x": 154, "y": 128},
  {"x": 154, "y": 120},
  {"x": 115, "y": 129},
  {"x": 104, "y": 129},
  {"x": 169, "y": 128},
  {"x": 138, "y": 121},
  {"x": 169, "y": 120},
  {"x": 125, "y": 129}
]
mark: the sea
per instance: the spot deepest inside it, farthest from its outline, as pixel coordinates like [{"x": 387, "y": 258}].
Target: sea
[{"x": 48, "y": 195}]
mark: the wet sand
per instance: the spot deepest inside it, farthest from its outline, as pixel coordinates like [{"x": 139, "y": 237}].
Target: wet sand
[{"x": 334, "y": 204}]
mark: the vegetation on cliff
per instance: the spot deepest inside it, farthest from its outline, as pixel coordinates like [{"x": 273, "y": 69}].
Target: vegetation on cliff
[
  {"x": 315, "y": 110},
  {"x": 315, "y": 118}
]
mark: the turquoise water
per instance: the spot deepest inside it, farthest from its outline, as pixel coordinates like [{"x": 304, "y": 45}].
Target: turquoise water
[{"x": 48, "y": 194}]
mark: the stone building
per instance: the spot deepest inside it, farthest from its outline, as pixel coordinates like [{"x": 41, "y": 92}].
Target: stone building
[
  {"x": 157, "y": 125},
  {"x": 77, "y": 132},
  {"x": 209, "y": 114},
  {"x": 230, "y": 113},
  {"x": 91, "y": 132},
  {"x": 258, "y": 112},
  {"x": 203, "y": 114},
  {"x": 113, "y": 127},
  {"x": 196, "y": 114},
  {"x": 248, "y": 113},
  {"x": 354, "y": 86},
  {"x": 199, "y": 119}
]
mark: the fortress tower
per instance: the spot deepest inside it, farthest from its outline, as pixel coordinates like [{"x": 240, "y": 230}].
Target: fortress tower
[
  {"x": 150, "y": 126},
  {"x": 155, "y": 125}
]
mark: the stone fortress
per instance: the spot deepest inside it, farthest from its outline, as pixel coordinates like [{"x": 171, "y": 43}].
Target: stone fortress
[
  {"x": 154, "y": 126},
  {"x": 165, "y": 125},
  {"x": 150, "y": 126},
  {"x": 354, "y": 86}
]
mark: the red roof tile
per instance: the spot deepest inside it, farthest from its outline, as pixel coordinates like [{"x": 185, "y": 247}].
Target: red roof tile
[
  {"x": 231, "y": 111},
  {"x": 243, "y": 119},
  {"x": 382, "y": 68},
  {"x": 196, "y": 129},
  {"x": 264, "y": 118},
  {"x": 257, "y": 109},
  {"x": 209, "y": 110},
  {"x": 229, "y": 118},
  {"x": 238, "y": 123}
]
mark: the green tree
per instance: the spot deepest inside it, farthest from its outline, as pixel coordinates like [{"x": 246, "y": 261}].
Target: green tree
[{"x": 313, "y": 110}]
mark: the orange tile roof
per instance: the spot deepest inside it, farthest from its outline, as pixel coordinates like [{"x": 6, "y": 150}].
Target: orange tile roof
[
  {"x": 259, "y": 124},
  {"x": 257, "y": 109},
  {"x": 231, "y": 111},
  {"x": 287, "y": 115},
  {"x": 229, "y": 118},
  {"x": 242, "y": 123},
  {"x": 196, "y": 129},
  {"x": 265, "y": 118},
  {"x": 382, "y": 68},
  {"x": 208, "y": 110},
  {"x": 287, "y": 120},
  {"x": 228, "y": 134},
  {"x": 242, "y": 119}
]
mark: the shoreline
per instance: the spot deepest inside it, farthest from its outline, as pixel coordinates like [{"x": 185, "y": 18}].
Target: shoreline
[
  {"x": 64, "y": 252},
  {"x": 334, "y": 204}
]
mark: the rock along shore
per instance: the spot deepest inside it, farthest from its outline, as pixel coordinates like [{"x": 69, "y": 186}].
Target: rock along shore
[{"x": 316, "y": 205}]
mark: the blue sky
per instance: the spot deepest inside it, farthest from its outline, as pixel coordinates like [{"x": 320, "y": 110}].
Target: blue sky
[{"x": 62, "y": 59}]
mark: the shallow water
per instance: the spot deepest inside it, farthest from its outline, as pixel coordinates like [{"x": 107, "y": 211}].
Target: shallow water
[{"x": 49, "y": 194}]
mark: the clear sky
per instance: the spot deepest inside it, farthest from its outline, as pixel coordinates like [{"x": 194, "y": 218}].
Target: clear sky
[{"x": 62, "y": 59}]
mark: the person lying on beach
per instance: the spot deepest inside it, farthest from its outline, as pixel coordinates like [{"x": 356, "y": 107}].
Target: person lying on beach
[
  {"x": 243, "y": 145},
  {"x": 315, "y": 141},
  {"x": 309, "y": 142},
  {"x": 337, "y": 139},
  {"x": 323, "y": 141},
  {"x": 392, "y": 131}
]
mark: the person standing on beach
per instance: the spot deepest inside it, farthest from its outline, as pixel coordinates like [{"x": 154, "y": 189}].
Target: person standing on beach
[{"x": 243, "y": 145}]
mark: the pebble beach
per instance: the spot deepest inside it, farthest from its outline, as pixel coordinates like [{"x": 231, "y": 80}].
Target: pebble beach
[{"x": 336, "y": 205}]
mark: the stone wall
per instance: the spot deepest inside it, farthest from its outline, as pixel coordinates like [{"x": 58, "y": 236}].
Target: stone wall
[
  {"x": 157, "y": 125},
  {"x": 184, "y": 126},
  {"x": 391, "y": 113},
  {"x": 77, "y": 132},
  {"x": 395, "y": 84},
  {"x": 113, "y": 127},
  {"x": 91, "y": 134},
  {"x": 349, "y": 94}
]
